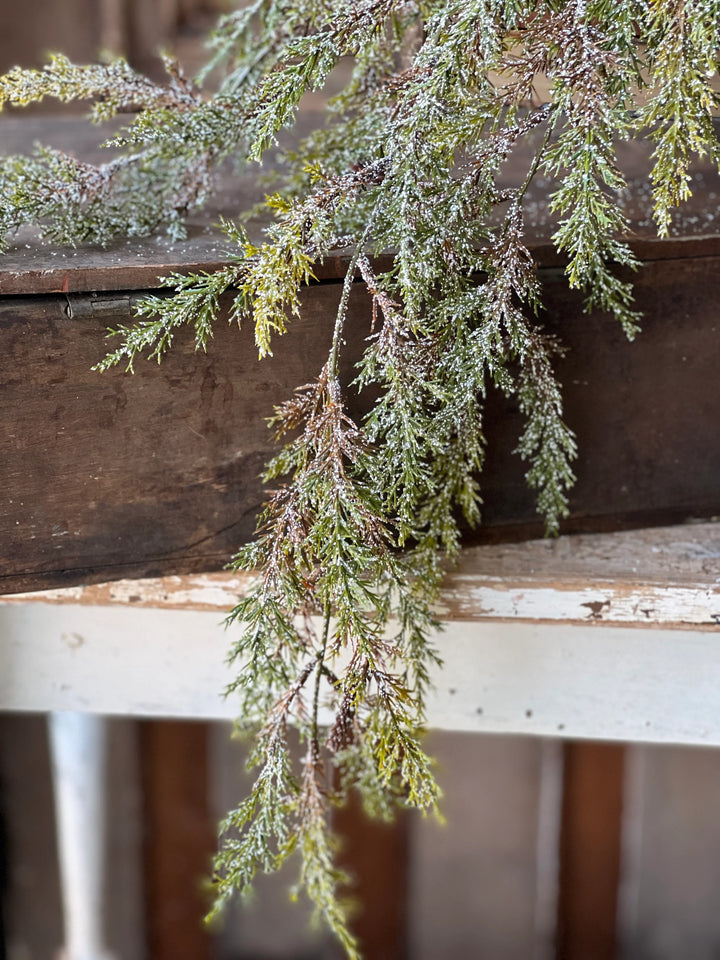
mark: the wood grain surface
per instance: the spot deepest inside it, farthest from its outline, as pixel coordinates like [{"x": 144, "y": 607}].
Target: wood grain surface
[{"x": 590, "y": 850}]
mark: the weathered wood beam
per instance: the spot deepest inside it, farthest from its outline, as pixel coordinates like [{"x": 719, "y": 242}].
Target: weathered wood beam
[
  {"x": 109, "y": 476},
  {"x": 159, "y": 473}
]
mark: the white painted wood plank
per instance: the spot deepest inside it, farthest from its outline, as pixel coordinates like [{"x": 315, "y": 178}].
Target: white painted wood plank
[
  {"x": 466, "y": 596},
  {"x": 469, "y": 597},
  {"x": 572, "y": 681},
  {"x": 113, "y": 660},
  {"x": 587, "y": 680}
]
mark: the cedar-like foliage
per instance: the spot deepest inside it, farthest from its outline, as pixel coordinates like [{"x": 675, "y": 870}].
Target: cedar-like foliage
[{"x": 336, "y": 637}]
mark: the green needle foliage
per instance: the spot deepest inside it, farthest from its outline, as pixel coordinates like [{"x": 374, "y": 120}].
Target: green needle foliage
[{"x": 335, "y": 639}]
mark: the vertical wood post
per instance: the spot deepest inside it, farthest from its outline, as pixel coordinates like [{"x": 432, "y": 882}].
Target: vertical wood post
[
  {"x": 590, "y": 846},
  {"x": 113, "y": 27},
  {"x": 77, "y": 745},
  {"x": 179, "y": 838},
  {"x": 376, "y": 855},
  {"x": 547, "y": 849}
]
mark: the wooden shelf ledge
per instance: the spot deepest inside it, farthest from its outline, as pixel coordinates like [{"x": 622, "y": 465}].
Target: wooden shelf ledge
[{"x": 664, "y": 577}]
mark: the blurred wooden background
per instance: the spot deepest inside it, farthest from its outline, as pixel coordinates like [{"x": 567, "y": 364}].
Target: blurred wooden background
[
  {"x": 82, "y": 29},
  {"x": 480, "y": 887}
]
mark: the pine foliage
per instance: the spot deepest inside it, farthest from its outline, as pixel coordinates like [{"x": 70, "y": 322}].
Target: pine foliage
[{"x": 335, "y": 640}]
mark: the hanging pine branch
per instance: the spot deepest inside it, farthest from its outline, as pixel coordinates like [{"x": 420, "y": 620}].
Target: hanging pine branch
[{"x": 336, "y": 638}]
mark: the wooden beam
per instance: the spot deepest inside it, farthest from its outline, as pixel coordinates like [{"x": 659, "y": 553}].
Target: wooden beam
[
  {"x": 610, "y": 635},
  {"x": 158, "y": 474},
  {"x": 553, "y": 679}
]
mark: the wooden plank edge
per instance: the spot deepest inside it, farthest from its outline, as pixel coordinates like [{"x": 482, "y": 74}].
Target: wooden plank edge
[
  {"x": 658, "y": 577},
  {"x": 143, "y": 275},
  {"x": 550, "y": 680},
  {"x": 597, "y": 602},
  {"x": 151, "y": 276}
]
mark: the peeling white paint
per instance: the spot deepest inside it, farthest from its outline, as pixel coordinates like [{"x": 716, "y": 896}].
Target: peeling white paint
[
  {"x": 645, "y": 604},
  {"x": 464, "y": 597}
]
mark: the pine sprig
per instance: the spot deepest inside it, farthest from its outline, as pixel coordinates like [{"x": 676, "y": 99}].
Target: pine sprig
[
  {"x": 112, "y": 88},
  {"x": 129, "y": 195},
  {"x": 679, "y": 110},
  {"x": 326, "y": 549}
]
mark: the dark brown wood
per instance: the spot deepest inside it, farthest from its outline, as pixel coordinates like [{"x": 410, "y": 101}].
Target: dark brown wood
[
  {"x": 116, "y": 475},
  {"x": 31, "y": 267},
  {"x": 377, "y": 856},
  {"x": 179, "y": 840},
  {"x": 590, "y": 851},
  {"x": 111, "y": 475},
  {"x": 643, "y": 412}
]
